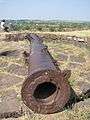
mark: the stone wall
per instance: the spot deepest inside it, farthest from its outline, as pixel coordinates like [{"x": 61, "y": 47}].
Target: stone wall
[{"x": 77, "y": 41}]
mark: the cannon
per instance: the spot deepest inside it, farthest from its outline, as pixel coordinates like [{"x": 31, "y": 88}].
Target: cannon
[{"x": 46, "y": 89}]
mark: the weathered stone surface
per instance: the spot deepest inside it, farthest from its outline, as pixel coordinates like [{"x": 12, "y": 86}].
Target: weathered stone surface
[
  {"x": 48, "y": 37},
  {"x": 9, "y": 105},
  {"x": 84, "y": 86},
  {"x": 17, "y": 69},
  {"x": 3, "y": 64},
  {"x": 82, "y": 104},
  {"x": 74, "y": 65},
  {"x": 63, "y": 57},
  {"x": 77, "y": 59},
  {"x": 85, "y": 75},
  {"x": 8, "y": 80},
  {"x": 14, "y": 37}
]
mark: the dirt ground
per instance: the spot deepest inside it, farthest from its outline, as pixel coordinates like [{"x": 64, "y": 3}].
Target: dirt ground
[{"x": 13, "y": 72}]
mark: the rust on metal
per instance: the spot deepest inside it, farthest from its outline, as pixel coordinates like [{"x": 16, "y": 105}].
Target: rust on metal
[{"x": 46, "y": 89}]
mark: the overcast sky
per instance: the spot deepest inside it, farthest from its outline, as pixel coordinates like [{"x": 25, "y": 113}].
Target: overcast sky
[{"x": 45, "y": 9}]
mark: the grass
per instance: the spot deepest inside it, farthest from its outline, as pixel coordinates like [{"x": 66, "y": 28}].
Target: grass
[{"x": 83, "y": 33}]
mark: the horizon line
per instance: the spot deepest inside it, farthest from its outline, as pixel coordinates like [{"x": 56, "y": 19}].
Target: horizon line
[{"x": 48, "y": 20}]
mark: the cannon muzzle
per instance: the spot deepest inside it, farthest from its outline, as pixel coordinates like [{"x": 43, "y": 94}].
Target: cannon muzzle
[{"x": 46, "y": 89}]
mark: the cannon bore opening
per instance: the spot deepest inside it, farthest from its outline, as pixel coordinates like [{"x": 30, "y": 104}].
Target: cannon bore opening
[{"x": 44, "y": 90}]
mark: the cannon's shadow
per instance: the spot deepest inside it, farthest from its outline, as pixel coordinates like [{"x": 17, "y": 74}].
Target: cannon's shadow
[
  {"x": 74, "y": 98},
  {"x": 9, "y": 53}
]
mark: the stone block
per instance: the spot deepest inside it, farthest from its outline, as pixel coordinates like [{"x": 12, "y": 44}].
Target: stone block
[
  {"x": 10, "y": 106},
  {"x": 63, "y": 57},
  {"x": 77, "y": 59},
  {"x": 7, "y": 80},
  {"x": 17, "y": 69}
]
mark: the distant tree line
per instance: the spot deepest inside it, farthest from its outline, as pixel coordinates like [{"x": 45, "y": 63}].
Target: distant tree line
[{"x": 50, "y": 26}]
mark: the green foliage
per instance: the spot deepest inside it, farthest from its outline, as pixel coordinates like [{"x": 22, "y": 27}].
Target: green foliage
[
  {"x": 52, "y": 29},
  {"x": 61, "y": 28},
  {"x": 39, "y": 28},
  {"x": 52, "y": 26}
]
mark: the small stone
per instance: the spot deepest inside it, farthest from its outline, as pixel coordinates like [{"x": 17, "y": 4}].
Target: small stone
[
  {"x": 84, "y": 86},
  {"x": 9, "y": 80},
  {"x": 17, "y": 69},
  {"x": 63, "y": 57},
  {"x": 82, "y": 104},
  {"x": 77, "y": 59},
  {"x": 10, "y": 106},
  {"x": 3, "y": 64},
  {"x": 74, "y": 65}
]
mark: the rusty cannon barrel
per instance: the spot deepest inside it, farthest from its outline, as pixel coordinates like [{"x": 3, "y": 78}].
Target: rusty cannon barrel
[{"x": 46, "y": 89}]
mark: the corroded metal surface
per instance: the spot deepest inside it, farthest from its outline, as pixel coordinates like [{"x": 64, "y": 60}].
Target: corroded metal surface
[{"x": 46, "y": 90}]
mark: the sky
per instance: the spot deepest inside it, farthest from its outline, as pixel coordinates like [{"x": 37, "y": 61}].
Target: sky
[{"x": 45, "y": 9}]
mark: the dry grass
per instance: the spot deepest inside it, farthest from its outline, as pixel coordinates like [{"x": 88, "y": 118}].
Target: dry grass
[{"x": 82, "y": 33}]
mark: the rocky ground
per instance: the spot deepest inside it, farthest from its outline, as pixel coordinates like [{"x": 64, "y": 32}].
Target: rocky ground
[{"x": 13, "y": 72}]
